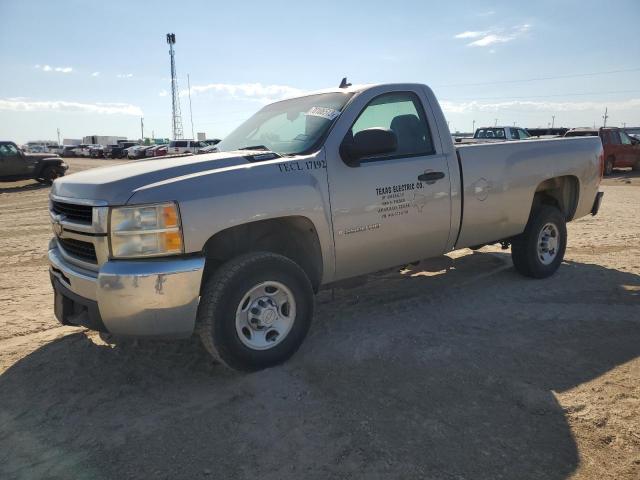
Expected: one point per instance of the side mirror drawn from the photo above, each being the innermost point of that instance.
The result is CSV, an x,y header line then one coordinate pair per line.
x,y
368,143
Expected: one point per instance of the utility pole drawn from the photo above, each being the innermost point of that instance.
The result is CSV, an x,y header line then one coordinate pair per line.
x,y
58,135
142,128
176,116
473,127
605,116
190,110
495,124
553,121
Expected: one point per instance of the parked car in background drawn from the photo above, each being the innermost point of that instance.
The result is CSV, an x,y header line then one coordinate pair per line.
x,y
68,151
96,151
211,141
620,150
16,164
209,149
496,134
160,151
138,151
84,150
77,150
151,152
117,150
185,146
547,132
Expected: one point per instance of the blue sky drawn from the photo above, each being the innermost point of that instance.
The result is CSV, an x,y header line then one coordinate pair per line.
x,y
95,67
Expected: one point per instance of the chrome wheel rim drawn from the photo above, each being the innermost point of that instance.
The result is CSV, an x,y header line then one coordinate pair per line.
x,y
548,243
265,315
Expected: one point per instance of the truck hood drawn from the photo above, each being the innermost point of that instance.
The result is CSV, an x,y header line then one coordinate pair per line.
x,y
40,156
115,184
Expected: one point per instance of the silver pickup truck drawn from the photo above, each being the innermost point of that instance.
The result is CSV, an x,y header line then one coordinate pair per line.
x,y
309,191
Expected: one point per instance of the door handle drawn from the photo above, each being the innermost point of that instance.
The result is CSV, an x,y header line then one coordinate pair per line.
x,y
431,176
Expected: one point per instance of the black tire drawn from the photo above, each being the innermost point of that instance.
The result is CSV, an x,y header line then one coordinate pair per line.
x,y
608,166
225,289
524,248
49,174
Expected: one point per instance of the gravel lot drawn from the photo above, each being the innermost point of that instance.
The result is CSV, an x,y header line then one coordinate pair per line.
x,y
455,369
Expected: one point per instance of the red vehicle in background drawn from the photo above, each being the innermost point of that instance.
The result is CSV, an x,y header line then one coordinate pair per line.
x,y
620,150
160,151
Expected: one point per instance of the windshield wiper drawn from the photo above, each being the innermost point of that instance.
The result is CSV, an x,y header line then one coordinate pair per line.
x,y
256,147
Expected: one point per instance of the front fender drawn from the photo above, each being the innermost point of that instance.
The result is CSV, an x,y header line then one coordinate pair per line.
x,y
219,199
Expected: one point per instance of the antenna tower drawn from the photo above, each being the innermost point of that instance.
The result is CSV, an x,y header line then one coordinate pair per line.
x,y
176,117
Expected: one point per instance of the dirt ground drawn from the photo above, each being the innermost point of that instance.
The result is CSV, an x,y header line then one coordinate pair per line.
x,y
458,368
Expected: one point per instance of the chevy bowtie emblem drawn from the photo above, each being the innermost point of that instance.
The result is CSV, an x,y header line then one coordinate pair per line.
x,y
57,227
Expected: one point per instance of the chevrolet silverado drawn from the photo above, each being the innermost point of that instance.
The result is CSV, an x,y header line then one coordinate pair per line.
x,y
309,191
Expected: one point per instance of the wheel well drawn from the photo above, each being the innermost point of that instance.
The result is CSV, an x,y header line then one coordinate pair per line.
x,y
294,237
560,192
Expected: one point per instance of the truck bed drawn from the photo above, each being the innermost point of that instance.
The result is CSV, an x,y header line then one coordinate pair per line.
x,y
499,181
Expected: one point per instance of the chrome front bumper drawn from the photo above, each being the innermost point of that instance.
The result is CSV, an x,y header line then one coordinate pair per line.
x,y
142,298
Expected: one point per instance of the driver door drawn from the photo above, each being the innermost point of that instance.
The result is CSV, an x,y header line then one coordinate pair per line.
x,y
394,208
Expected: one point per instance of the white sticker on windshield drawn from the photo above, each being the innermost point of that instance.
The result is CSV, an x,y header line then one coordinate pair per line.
x,y
324,112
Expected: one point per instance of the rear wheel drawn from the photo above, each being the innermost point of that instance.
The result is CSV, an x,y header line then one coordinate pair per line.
x,y
539,250
255,311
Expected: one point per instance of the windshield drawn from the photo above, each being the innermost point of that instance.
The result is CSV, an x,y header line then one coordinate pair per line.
x,y
288,127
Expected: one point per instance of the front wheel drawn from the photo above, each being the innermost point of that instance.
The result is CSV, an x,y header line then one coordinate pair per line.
x,y
255,311
608,167
538,251
49,174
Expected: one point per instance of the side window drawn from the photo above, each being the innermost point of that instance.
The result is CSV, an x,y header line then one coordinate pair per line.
x,y
614,137
625,138
402,113
523,133
515,134
8,150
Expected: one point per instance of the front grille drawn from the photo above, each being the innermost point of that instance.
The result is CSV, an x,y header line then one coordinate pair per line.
x,y
79,213
83,250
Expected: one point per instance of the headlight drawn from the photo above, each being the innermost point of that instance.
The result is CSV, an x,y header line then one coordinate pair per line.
x,y
145,231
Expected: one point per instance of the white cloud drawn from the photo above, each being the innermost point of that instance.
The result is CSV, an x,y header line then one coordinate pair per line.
x,y
248,91
490,40
527,105
470,34
124,75
49,68
95,74
163,93
495,36
26,105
